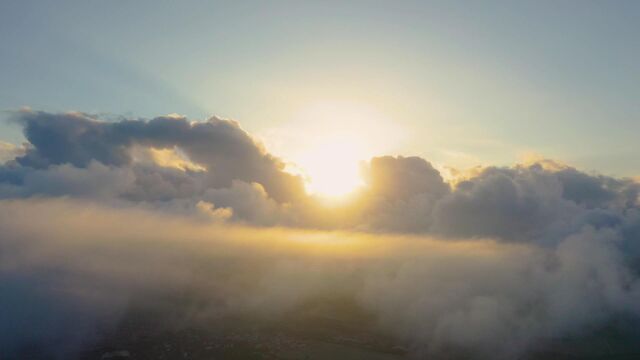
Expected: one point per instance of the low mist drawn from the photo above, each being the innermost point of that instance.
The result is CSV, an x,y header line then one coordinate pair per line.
x,y
71,269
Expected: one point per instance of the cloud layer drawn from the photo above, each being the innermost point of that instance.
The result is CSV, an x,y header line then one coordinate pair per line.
x,y
72,267
495,263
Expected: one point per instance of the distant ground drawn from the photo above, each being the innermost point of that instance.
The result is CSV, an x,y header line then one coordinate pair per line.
x,y
326,329
311,333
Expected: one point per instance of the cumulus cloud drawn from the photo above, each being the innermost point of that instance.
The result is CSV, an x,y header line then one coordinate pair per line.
x,y
401,193
220,146
95,215
540,202
171,163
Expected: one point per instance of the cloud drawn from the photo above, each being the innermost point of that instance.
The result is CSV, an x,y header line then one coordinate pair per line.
x,y
96,216
515,204
400,194
80,265
9,151
401,178
221,146
538,202
172,164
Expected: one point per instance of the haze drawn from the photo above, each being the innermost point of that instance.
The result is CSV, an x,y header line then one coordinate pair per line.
x,y
319,180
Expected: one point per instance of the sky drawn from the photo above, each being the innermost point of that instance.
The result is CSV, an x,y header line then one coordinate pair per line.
x,y
463,174
460,83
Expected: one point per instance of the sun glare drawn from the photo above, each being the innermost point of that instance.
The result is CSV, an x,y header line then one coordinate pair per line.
x,y
332,169
326,141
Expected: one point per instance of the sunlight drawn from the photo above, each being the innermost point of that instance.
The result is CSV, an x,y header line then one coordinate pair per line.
x,y
332,169
327,140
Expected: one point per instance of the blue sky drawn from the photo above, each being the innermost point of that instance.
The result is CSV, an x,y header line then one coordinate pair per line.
x,y
467,83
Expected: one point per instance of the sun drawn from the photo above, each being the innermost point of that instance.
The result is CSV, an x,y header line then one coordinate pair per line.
x,y
332,168
327,141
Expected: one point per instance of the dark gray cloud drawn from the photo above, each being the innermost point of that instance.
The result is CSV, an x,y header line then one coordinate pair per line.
x,y
540,202
226,151
401,178
534,203
511,203
401,193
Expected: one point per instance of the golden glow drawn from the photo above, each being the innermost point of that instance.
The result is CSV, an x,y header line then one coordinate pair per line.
x,y
174,158
326,141
333,168
171,158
